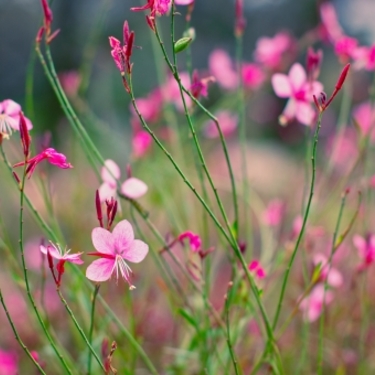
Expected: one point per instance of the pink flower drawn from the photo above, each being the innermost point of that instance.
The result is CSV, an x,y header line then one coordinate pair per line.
x,y
252,75
312,305
53,157
114,249
55,251
199,86
222,68
184,2
157,7
194,240
274,212
141,142
10,118
331,26
256,268
70,81
364,57
227,121
132,188
366,250
171,91
345,47
269,51
334,277
300,93
149,106
364,115
8,363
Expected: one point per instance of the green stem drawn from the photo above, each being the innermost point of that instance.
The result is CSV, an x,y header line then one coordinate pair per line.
x,y
307,211
17,336
92,316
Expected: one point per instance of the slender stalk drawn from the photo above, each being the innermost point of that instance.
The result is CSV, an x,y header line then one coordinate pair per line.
x,y
92,316
17,336
305,217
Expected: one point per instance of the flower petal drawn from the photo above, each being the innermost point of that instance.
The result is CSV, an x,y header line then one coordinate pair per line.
x,y
110,168
123,236
100,269
11,108
134,188
297,76
136,252
305,114
106,191
52,250
361,245
281,85
103,241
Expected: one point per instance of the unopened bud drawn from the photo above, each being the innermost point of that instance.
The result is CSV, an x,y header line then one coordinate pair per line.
x,y
182,44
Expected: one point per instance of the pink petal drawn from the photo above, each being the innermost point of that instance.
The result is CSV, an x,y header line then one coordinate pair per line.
x,y
183,2
134,188
52,250
100,269
289,112
305,114
361,245
281,85
123,236
107,191
11,108
297,76
110,168
103,241
73,258
335,278
137,252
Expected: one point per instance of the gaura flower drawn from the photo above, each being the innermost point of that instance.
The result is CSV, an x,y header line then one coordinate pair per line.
x,y
366,250
8,363
114,249
194,240
257,269
10,118
296,87
157,7
227,121
223,69
53,157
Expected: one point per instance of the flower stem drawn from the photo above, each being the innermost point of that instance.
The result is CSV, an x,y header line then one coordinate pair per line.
x,y
93,301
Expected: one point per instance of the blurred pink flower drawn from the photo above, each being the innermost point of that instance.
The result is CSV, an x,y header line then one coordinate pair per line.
x,y
345,48
364,115
257,269
114,249
149,106
194,240
8,363
227,121
300,93
312,305
222,68
366,250
132,187
252,75
184,2
269,51
331,26
335,279
141,142
53,157
70,82
364,57
171,91
274,212
10,118
199,86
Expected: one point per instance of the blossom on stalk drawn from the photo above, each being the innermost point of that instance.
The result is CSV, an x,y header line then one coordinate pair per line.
x,y
274,212
156,7
132,188
252,75
10,118
114,249
256,268
194,240
8,363
312,306
222,68
296,87
330,28
55,252
227,121
366,250
53,157
141,142
364,116
328,273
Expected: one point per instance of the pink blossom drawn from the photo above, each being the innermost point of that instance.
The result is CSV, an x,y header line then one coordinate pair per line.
x,y
331,26
222,68
132,188
199,86
171,91
256,268
141,143
364,57
194,240
70,81
157,7
149,106
366,250
227,121
53,157
300,93
364,115
252,75
114,249
184,2
10,118
269,51
8,363
274,212
345,47
331,274
312,305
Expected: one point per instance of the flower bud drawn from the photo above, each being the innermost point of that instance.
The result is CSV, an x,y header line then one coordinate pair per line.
x,y
182,44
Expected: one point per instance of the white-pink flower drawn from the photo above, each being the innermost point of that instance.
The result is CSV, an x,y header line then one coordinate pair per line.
x,y
10,117
132,188
332,275
227,122
183,2
222,68
114,249
296,87
366,250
